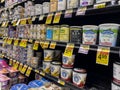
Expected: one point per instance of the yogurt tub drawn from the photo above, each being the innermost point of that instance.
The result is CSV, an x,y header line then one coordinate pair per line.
x,y
115,86
68,61
48,55
19,87
66,73
89,34
46,7
56,33
61,5
72,4
57,55
49,33
55,69
46,66
116,72
108,34
79,77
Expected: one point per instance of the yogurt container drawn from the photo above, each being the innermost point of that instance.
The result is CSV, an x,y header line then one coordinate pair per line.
x,y
57,55
49,33
66,73
19,87
108,34
75,34
79,77
55,69
72,4
46,7
56,33
64,33
53,6
115,86
86,2
48,55
62,5
89,34
116,72
68,61
46,66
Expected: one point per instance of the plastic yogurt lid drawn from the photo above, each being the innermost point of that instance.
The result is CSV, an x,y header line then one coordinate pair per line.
x,y
80,70
117,63
90,26
56,63
66,67
115,84
109,24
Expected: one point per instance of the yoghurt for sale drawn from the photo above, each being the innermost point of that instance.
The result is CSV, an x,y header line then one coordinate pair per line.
x,y
66,73
89,34
48,55
108,34
46,66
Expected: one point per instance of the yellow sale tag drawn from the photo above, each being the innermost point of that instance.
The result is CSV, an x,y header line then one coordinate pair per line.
x,y
28,72
20,67
6,24
29,21
41,17
102,5
69,50
3,24
14,62
49,18
10,62
24,69
57,17
23,43
23,21
10,41
53,45
42,73
30,40
16,42
46,44
37,71
5,40
36,45
42,43
61,82
103,55
16,65
14,22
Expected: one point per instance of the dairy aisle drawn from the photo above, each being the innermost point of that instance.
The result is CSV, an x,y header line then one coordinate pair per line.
x,y
59,45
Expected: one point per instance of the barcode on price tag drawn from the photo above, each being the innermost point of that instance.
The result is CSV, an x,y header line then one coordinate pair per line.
x,y
20,67
42,73
84,49
57,17
102,56
81,11
69,50
53,45
24,69
61,82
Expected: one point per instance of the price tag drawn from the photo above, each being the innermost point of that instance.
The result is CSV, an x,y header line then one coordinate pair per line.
x,y
29,21
23,21
23,43
49,18
42,43
6,24
16,42
36,45
28,72
42,73
46,44
68,13
84,49
69,50
81,11
14,62
9,41
61,82
18,22
3,24
41,17
2,1
102,5
37,71
103,55
14,22
33,18
16,65
57,17
20,67
24,69
10,62
5,40
53,45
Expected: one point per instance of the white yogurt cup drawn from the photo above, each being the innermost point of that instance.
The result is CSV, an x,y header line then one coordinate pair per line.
x,y
48,55
46,66
115,86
